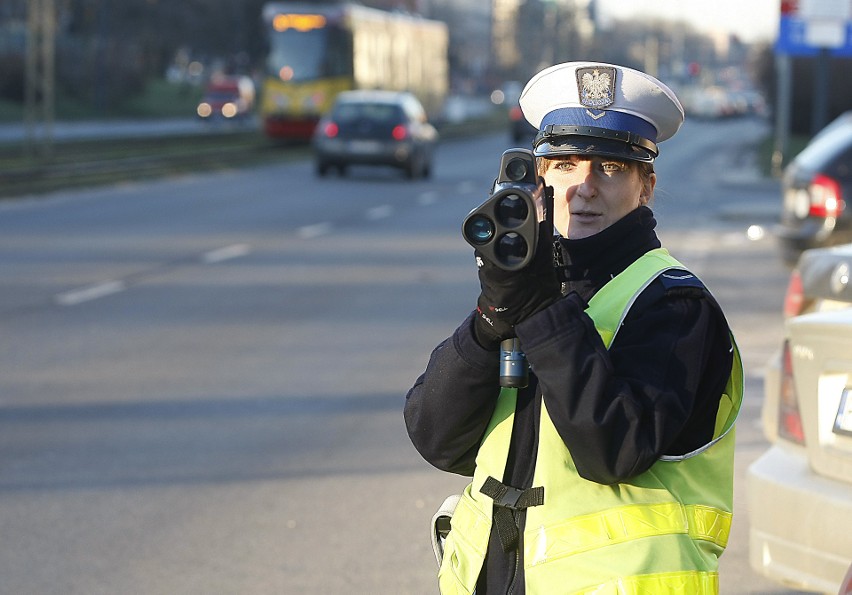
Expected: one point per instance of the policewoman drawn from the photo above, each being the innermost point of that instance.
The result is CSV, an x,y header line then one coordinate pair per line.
x,y
612,471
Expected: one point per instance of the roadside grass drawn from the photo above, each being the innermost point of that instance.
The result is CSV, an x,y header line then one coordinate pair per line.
x,y
160,99
11,111
163,99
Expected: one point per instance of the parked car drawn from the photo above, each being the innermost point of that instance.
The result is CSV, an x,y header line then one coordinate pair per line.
x,y
800,490
375,128
846,587
816,187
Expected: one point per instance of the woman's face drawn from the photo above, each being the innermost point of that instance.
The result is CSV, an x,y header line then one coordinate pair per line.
x,y
592,193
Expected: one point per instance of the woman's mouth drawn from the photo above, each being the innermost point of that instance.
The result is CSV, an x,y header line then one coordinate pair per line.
x,y
585,215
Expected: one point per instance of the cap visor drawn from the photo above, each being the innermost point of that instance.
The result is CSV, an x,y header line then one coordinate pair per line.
x,y
579,145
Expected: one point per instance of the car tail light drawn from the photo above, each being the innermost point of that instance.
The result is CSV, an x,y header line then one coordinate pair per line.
x,y
826,197
515,114
789,418
331,129
794,300
400,132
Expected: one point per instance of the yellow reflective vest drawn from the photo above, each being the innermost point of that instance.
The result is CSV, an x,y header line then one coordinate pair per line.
x,y
659,533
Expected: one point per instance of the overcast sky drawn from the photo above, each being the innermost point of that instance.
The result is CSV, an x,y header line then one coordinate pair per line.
x,y
752,20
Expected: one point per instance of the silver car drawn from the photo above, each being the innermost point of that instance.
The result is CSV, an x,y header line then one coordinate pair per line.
x,y
375,128
800,490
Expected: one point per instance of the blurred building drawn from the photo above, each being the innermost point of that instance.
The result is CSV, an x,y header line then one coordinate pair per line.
x,y
106,48
505,40
504,34
469,23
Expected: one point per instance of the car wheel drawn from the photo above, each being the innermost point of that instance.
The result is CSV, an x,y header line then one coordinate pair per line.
x,y
415,167
341,170
321,168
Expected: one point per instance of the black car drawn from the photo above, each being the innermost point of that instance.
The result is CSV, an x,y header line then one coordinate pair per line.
x,y
816,185
375,128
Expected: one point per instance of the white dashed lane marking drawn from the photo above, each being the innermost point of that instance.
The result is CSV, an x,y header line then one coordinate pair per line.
x,y
226,253
99,290
88,293
427,198
382,212
313,231
92,292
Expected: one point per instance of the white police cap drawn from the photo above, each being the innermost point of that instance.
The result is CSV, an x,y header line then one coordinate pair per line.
x,y
593,108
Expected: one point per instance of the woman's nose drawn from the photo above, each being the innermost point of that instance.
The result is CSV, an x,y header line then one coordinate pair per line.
x,y
586,187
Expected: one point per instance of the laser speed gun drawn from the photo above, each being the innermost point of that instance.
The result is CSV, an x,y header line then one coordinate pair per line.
x,y
505,228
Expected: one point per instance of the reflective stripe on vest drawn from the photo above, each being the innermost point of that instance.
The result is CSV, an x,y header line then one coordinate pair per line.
x,y
667,583
660,532
618,525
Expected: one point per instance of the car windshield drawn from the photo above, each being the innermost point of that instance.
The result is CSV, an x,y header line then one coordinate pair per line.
x,y
221,96
380,112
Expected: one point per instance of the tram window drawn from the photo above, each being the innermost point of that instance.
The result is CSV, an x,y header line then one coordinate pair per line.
x,y
302,53
338,59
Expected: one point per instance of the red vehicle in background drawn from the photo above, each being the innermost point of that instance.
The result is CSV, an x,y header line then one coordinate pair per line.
x,y
228,97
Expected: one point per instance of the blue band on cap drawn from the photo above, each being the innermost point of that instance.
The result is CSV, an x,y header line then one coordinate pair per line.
x,y
613,120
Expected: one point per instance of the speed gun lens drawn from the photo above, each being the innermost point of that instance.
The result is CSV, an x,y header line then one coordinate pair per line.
x,y
511,248
479,229
512,210
517,170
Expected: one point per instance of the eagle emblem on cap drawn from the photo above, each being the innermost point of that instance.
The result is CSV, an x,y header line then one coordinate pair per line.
x,y
596,86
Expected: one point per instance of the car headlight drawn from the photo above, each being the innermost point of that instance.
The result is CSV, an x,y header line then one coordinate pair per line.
x,y
229,110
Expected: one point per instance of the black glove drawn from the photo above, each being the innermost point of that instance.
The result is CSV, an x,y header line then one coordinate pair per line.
x,y
510,297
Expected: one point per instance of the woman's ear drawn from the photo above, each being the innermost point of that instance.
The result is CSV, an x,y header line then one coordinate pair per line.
x,y
648,184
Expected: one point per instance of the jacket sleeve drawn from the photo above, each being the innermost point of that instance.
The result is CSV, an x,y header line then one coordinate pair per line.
x,y
619,411
448,409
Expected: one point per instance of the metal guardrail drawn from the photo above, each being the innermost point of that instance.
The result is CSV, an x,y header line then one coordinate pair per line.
x,y
76,163
82,163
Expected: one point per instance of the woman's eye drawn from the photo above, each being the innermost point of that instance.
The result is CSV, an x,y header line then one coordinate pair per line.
x,y
613,169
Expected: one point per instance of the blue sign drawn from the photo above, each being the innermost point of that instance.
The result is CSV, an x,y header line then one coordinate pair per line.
x,y
794,39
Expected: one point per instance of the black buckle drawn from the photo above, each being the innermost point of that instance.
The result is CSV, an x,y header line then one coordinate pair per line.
x,y
506,498
510,498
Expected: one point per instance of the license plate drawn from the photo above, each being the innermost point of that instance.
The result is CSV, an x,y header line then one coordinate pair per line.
x,y
843,421
368,147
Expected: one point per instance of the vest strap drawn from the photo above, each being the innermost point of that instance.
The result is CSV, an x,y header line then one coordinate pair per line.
x,y
506,500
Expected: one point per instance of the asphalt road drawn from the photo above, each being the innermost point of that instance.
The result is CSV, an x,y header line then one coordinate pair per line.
x,y
202,378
